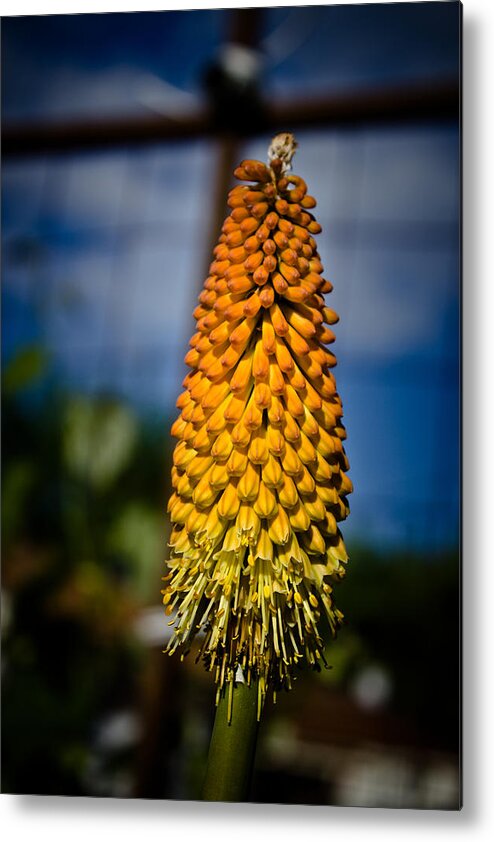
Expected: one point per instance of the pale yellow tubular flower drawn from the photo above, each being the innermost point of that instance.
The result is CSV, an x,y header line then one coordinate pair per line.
x,y
259,471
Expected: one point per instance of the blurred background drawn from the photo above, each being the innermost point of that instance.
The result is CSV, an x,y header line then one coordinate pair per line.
x,y
120,133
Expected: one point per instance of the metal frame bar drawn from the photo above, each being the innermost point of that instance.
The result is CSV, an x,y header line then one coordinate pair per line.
x,y
437,103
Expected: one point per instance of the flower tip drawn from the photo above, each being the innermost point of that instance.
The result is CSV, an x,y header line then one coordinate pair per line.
x,y
282,148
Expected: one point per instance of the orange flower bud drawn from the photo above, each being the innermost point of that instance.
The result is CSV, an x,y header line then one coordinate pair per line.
x,y
259,470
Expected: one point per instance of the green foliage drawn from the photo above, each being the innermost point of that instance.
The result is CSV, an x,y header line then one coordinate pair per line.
x,y
82,551
18,479
137,535
28,365
98,439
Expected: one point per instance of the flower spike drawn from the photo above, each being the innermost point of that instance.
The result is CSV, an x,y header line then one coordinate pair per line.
x,y
259,476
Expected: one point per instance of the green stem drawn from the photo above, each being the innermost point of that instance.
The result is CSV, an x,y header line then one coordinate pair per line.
x,y
233,745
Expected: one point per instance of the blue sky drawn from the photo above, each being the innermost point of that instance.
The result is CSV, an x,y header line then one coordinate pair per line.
x,y
121,237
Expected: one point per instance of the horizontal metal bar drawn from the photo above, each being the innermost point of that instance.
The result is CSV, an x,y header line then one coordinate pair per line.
x,y
439,102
